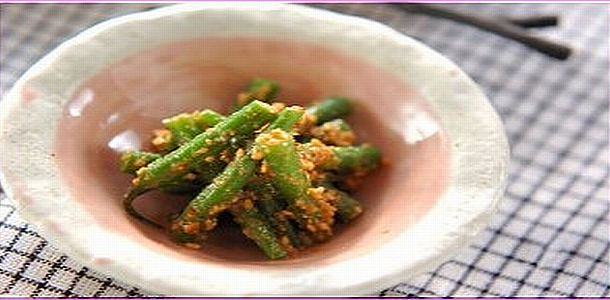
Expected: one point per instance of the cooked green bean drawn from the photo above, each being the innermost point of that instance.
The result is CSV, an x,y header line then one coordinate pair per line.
x,y
271,205
283,173
205,147
200,214
286,119
356,157
260,89
215,197
347,207
281,157
361,157
267,196
208,118
330,108
131,161
335,132
256,227
184,127
202,154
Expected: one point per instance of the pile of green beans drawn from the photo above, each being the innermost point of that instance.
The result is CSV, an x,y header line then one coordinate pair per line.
x,y
286,174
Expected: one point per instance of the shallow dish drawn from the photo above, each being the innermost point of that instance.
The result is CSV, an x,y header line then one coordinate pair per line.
x,y
68,117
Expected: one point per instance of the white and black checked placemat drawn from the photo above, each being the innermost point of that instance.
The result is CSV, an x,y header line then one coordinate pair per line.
x,y
551,235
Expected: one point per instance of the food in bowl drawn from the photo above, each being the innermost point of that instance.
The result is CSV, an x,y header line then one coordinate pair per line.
x,y
284,173
129,98
67,119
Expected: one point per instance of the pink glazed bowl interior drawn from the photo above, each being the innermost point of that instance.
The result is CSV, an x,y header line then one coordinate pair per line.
x,y
118,108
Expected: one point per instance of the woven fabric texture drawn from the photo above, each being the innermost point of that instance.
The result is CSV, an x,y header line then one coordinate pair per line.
x,y
551,234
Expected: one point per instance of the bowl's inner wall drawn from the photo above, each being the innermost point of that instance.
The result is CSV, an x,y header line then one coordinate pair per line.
x,y
119,108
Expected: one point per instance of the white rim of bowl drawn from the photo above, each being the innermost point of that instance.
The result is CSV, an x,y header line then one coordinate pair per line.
x,y
479,154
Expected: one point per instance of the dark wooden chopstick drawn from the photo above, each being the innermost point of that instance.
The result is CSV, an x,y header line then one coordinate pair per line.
x,y
534,21
498,26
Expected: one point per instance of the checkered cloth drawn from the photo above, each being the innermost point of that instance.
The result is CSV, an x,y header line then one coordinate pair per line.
x,y
550,237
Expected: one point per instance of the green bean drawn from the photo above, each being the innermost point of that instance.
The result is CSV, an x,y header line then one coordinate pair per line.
x,y
257,228
282,173
266,194
335,132
131,161
348,208
280,155
260,89
271,204
200,214
215,197
362,157
208,118
286,119
202,154
205,147
329,109
184,127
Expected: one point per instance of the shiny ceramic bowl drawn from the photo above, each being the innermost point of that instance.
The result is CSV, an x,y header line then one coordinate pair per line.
x,y
68,117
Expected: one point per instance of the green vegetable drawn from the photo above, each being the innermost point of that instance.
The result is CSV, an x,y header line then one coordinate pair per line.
x,y
200,214
131,161
256,227
286,119
365,157
201,155
281,157
185,127
347,207
330,108
271,204
281,172
335,132
260,89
